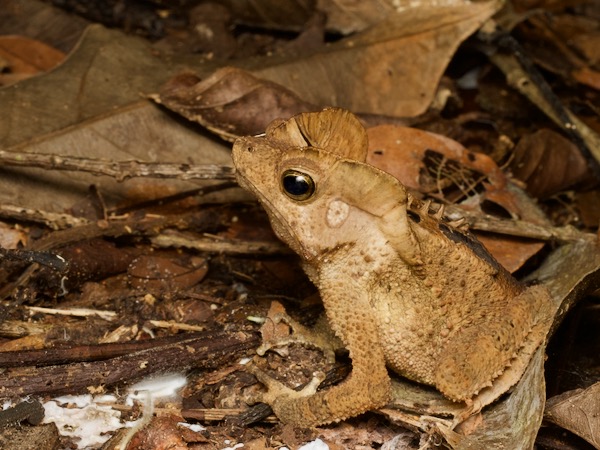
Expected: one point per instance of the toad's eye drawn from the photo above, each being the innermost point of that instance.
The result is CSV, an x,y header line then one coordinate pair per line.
x,y
297,185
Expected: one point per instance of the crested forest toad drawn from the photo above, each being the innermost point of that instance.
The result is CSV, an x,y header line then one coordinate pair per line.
x,y
401,289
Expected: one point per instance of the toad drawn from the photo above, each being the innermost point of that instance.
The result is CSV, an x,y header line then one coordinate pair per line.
x,y
402,289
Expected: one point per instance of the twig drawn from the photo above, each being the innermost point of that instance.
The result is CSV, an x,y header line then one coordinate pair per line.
x,y
120,170
519,228
75,312
205,351
54,221
71,353
172,238
521,74
176,326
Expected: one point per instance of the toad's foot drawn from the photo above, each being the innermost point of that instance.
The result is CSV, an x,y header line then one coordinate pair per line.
x,y
279,396
280,330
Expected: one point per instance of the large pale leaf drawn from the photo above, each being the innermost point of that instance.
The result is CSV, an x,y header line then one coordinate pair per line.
x,y
107,70
92,106
392,68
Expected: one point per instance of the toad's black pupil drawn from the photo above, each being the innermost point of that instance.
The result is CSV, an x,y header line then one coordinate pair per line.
x,y
296,184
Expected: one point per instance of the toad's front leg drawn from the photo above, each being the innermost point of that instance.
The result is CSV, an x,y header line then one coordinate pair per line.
x,y
367,387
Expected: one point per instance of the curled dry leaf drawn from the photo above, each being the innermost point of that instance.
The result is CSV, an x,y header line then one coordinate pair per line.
x,y
231,102
548,163
577,411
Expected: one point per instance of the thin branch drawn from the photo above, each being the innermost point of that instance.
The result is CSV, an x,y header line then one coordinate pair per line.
x,y
518,228
171,238
55,221
120,170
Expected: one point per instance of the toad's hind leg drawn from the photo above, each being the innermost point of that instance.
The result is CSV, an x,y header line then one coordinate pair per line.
x,y
479,352
471,361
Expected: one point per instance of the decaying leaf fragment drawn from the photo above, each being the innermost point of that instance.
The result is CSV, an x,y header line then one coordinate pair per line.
x,y
577,411
403,151
548,163
163,275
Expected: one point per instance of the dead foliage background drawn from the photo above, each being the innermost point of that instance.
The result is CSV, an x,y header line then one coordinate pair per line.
x,y
128,250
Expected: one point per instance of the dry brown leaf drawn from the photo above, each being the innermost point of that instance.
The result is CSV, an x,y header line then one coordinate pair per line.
x,y
107,70
511,252
139,132
569,272
402,152
231,102
42,21
548,163
101,81
588,206
577,411
26,57
391,69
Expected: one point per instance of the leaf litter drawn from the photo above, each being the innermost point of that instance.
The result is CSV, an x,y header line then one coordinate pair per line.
x,y
96,109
